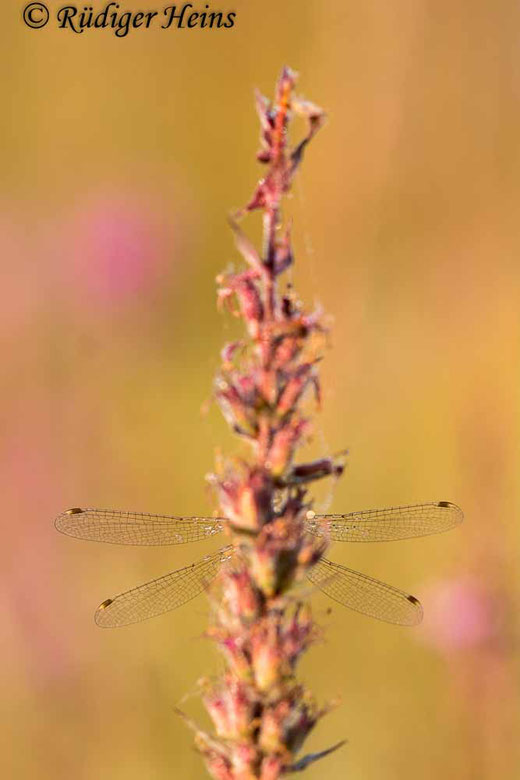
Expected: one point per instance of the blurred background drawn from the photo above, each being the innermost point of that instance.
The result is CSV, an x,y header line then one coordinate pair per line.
x,y
120,161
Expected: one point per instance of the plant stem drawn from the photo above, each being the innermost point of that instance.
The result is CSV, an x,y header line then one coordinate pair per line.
x,y
261,713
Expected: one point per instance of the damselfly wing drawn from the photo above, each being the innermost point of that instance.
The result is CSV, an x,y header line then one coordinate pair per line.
x,y
365,594
163,594
140,528
387,525
346,586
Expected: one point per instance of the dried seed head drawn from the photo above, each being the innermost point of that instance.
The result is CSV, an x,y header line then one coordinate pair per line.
x,y
250,304
299,632
237,412
247,502
245,760
217,710
283,255
298,724
267,658
242,598
271,738
272,767
268,386
311,550
231,708
236,653
218,766
273,565
229,352
294,389
215,755
285,441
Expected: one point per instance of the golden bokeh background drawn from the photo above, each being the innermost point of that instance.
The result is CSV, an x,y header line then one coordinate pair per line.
x,y
120,160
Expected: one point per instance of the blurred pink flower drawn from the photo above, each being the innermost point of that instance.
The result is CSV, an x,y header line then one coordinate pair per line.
x,y
460,613
117,247
31,579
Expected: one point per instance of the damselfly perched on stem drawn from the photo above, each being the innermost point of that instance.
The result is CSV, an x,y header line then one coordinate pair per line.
x,y
348,587
262,622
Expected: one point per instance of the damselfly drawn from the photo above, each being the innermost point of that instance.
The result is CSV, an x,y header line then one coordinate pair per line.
x,y
346,586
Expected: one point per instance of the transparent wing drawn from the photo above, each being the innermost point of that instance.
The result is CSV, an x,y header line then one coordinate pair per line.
x,y
161,595
366,595
385,525
117,527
